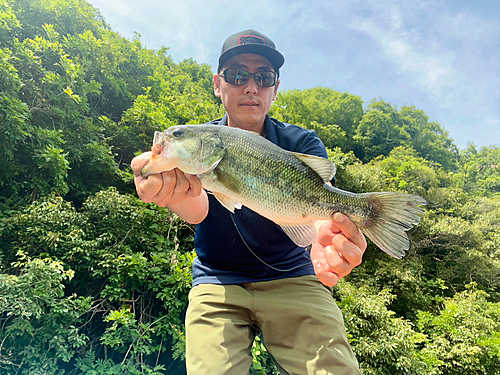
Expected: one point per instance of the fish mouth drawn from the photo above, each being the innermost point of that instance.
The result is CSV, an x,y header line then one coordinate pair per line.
x,y
168,160
159,161
153,167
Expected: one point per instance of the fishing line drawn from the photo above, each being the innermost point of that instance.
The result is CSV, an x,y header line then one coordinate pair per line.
x,y
255,255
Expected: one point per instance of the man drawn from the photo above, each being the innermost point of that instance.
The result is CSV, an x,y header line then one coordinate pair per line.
x,y
249,276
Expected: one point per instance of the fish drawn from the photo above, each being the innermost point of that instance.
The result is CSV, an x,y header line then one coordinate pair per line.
x,y
242,168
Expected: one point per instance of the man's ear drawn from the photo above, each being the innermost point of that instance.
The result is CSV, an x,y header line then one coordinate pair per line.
x,y
276,90
217,85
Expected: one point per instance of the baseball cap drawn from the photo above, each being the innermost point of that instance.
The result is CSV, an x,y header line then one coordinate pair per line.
x,y
250,41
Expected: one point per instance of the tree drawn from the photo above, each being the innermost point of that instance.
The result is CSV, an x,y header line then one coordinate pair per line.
x,y
78,98
479,170
465,337
332,114
384,127
39,323
382,342
111,278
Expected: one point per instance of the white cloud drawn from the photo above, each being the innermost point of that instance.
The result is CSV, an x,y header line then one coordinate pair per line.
x,y
409,50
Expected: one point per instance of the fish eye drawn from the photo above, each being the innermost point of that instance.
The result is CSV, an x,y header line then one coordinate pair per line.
x,y
177,133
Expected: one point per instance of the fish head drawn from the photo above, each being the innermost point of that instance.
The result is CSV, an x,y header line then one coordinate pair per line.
x,y
194,149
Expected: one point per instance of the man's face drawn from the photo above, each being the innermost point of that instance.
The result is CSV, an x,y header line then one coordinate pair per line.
x,y
246,105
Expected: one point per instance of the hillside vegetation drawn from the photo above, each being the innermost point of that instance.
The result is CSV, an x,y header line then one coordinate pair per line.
x,y
94,281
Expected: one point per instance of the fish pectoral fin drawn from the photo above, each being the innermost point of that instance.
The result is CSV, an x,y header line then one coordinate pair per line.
x,y
228,180
302,235
323,167
227,202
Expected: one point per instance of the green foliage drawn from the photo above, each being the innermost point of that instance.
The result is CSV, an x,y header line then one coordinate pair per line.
x,y
382,342
479,171
384,127
39,323
69,17
80,100
127,256
455,243
262,363
332,114
353,175
404,171
464,248
378,135
89,365
465,337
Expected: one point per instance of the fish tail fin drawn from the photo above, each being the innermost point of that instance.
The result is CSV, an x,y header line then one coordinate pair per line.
x,y
391,216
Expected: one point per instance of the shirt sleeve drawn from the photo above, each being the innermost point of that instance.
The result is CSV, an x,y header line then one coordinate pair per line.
x,y
312,145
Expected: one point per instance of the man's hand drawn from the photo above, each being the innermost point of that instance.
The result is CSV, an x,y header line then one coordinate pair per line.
x,y
170,187
338,249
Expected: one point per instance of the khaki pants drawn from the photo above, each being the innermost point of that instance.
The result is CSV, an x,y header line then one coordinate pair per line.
x,y
301,325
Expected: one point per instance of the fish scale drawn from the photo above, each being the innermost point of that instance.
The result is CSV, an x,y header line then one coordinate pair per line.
x,y
276,177
242,168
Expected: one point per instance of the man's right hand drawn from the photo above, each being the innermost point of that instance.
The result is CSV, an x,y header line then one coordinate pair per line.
x,y
168,188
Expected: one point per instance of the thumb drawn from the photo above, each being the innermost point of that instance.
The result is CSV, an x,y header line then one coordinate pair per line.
x,y
139,162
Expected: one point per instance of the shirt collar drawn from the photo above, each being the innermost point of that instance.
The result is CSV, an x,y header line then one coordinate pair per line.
x,y
269,128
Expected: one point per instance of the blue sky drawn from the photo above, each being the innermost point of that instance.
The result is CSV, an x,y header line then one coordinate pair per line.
x,y
441,56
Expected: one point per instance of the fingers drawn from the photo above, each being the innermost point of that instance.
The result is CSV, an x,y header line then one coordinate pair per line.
x,y
194,185
344,249
327,277
148,188
178,186
323,271
170,187
168,183
339,248
349,230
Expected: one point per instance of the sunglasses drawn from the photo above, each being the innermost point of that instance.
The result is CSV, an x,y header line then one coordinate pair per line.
x,y
238,77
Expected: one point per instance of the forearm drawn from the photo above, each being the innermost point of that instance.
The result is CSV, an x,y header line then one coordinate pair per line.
x,y
193,210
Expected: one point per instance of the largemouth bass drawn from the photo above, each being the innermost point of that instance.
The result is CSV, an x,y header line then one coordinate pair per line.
x,y
242,168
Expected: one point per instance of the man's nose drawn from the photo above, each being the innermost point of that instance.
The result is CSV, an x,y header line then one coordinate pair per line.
x,y
251,86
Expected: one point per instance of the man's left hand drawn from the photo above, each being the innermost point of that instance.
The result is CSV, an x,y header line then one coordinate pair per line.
x,y
339,248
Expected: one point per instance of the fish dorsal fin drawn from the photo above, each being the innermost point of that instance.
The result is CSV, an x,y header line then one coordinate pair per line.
x,y
323,167
302,235
227,202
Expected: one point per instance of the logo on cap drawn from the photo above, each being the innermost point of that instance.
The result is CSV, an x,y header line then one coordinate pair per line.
x,y
251,39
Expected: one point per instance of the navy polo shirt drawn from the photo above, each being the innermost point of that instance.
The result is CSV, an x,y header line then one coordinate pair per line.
x,y
265,252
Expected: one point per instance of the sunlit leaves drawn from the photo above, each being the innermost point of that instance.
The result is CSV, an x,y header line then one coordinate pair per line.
x,y
332,114
38,320
479,170
465,337
133,258
382,342
384,127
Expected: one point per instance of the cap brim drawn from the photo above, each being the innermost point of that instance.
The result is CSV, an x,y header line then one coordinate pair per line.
x,y
275,58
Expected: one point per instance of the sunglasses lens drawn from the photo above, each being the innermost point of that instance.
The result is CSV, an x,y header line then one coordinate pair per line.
x,y
240,77
236,76
265,79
